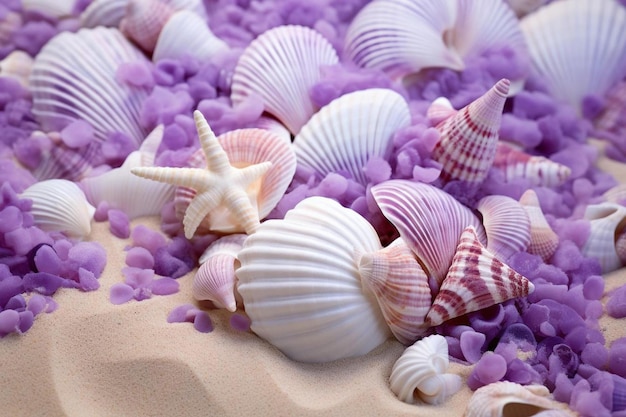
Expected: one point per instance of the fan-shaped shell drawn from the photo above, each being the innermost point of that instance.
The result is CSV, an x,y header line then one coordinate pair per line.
x,y
107,13
60,205
543,240
589,32
301,287
493,399
404,36
51,8
608,221
507,225
246,147
469,138
280,66
419,375
144,20
538,170
429,220
350,130
476,280
187,33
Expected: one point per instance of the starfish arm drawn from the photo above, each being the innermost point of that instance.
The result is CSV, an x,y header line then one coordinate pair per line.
x,y
243,210
251,173
201,205
185,177
216,157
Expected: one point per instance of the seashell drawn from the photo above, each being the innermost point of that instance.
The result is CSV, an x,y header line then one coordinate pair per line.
x,y
469,139
274,126
439,110
60,205
18,65
402,37
187,33
58,159
401,288
429,220
144,20
538,170
215,279
196,6
543,240
616,194
122,190
9,24
476,280
608,221
107,13
51,8
613,117
301,286
419,375
620,246
74,77
350,130
507,225
505,398
597,42
524,7
280,66
245,147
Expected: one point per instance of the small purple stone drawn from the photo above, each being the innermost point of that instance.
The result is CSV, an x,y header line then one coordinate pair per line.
x,y
9,321
616,305
139,257
27,318
164,286
179,314
617,358
471,345
89,255
87,280
490,368
36,304
17,302
119,223
596,355
47,260
77,134
593,287
239,322
202,322
42,282
121,293
138,278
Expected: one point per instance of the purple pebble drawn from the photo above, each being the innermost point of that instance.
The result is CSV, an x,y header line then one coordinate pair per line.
x,y
10,219
139,257
593,287
164,286
9,287
121,293
27,318
119,223
47,260
179,314
17,302
617,358
87,280
42,282
202,322
77,134
138,278
490,368
616,305
521,335
596,355
563,359
147,238
377,170
239,322
9,321
36,304
89,255
567,256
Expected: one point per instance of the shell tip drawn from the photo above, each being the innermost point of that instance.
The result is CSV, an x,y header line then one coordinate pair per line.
x,y
502,87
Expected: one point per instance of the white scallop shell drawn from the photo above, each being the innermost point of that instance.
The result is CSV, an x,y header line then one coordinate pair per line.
x,y
301,286
608,220
589,32
143,21
52,8
107,13
280,66
543,240
60,205
350,130
187,33
18,64
419,375
122,190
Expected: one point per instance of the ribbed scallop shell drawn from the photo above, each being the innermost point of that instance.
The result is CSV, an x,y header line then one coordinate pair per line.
x,y
506,398
476,280
543,240
122,190
538,170
107,13
469,139
246,147
419,375
401,288
60,205
404,36
350,130
144,20
507,225
187,33
215,279
608,220
52,8
429,220
301,287
588,32
280,66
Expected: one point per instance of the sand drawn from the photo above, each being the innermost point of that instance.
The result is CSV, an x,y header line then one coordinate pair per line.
x,y
93,358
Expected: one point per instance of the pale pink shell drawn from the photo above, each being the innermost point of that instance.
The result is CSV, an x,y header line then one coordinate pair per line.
x,y
107,13
439,110
538,170
144,20
18,64
543,240
608,221
469,139
476,280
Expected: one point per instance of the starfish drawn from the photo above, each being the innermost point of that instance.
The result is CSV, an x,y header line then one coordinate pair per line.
x,y
219,184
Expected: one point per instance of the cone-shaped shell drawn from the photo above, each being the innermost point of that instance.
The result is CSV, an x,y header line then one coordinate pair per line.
x,y
419,375
507,225
301,286
280,66
543,240
538,170
476,280
608,221
144,20
401,288
429,220
60,205
469,139
350,130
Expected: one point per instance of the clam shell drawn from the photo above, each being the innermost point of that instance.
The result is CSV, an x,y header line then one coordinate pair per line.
x,y
538,170
107,13
301,286
419,375
507,398
144,20
60,205
280,66
608,220
350,130
405,36
543,240
401,288
507,225
18,65
187,33
469,139
429,220
476,280
246,147
588,32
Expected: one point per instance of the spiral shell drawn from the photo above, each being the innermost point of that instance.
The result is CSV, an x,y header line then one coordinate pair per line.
x,y
608,221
